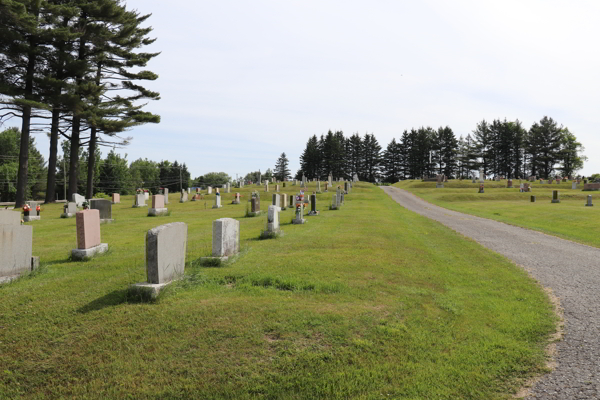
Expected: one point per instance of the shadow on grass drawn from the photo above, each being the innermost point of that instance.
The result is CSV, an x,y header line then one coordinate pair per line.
x,y
113,298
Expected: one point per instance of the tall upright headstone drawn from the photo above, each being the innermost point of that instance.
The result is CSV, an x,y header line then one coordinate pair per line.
x,y
88,235
273,219
589,201
209,190
277,201
226,238
166,246
217,201
166,194
236,199
284,201
481,176
313,205
16,244
555,198
116,198
266,186
184,196
299,214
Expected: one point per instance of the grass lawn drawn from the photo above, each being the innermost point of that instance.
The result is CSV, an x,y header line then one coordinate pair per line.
x,y
367,302
569,219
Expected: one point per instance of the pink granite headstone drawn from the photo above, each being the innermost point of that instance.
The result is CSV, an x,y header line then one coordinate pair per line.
x,y
158,201
88,228
116,198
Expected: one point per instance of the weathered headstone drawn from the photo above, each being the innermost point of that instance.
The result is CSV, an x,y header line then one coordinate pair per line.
x,y
116,198
440,182
158,206
555,198
481,188
277,201
209,190
16,243
88,235
481,176
105,208
284,201
526,187
255,206
266,186
590,187
226,238
589,201
140,200
273,219
509,184
184,196
533,199
313,205
299,214
573,185
165,256
217,201
318,186
236,199
228,188
166,194
33,213
78,199
69,210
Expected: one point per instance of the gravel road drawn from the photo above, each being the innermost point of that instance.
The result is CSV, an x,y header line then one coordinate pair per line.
x,y
570,269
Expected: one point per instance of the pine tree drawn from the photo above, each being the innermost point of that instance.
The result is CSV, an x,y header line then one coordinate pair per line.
x,y
282,171
544,144
571,159
310,160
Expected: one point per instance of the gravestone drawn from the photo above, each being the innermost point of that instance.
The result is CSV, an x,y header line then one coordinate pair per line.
x,y
228,188
209,190
326,187
481,177
555,198
277,201
509,184
166,194
291,201
78,199
33,214
88,235
217,201
533,199
226,238
158,206
526,187
69,210
254,206
319,186
589,201
313,205
146,195
440,182
347,187
105,208
573,185
266,186
273,219
532,178
236,199
184,196
277,188
16,244
299,214
116,198
284,199
541,181
140,200
590,187
550,181
481,188
166,247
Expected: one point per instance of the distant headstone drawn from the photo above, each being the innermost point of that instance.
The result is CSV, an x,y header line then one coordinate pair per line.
x,y
313,205
481,176
277,201
217,201
226,238
69,210
266,186
184,196
228,188
526,187
236,199
555,198
255,204
158,206
509,184
88,235
166,194
573,185
284,199
209,190
319,186
533,199
589,201
277,188
591,187
140,200
481,188
78,199
299,214
105,208
33,214
273,219
116,198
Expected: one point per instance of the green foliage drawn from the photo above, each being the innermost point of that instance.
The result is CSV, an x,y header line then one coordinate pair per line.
x,y
212,179
282,171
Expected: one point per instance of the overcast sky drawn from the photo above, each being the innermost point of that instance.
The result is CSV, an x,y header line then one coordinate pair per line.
x,y
241,82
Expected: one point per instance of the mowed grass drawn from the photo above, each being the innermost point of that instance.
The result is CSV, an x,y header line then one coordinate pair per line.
x,y
569,219
367,302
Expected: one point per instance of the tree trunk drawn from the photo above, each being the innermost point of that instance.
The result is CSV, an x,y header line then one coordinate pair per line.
x,y
91,162
51,182
74,157
23,158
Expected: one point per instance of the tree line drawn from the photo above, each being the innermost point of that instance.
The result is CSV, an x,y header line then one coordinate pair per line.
x,y
113,174
500,148
73,69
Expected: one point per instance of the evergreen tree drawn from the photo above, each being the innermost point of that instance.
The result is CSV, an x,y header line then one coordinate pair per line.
x,y
113,176
392,162
310,160
446,150
354,154
544,144
371,162
282,172
571,159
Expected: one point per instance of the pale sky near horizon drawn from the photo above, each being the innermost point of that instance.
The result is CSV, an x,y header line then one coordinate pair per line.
x,y
242,82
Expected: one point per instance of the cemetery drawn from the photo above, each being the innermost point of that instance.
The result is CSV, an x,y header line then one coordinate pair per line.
x,y
311,296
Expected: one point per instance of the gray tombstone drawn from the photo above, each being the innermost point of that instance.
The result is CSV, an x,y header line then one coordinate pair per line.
x,y
10,217
184,196
70,210
217,201
313,205
16,243
273,219
166,193
299,214
573,185
226,238
589,201
555,198
255,204
140,200
165,252
105,208
533,199
277,201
